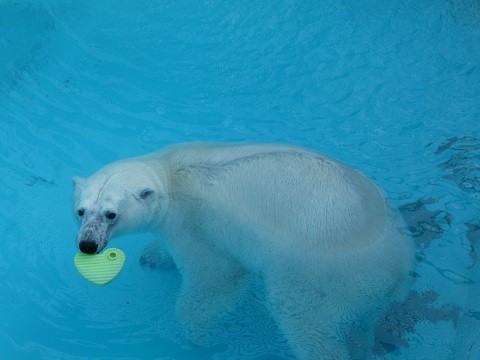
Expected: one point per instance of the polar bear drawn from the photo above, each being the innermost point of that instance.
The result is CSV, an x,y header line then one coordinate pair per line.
x,y
318,233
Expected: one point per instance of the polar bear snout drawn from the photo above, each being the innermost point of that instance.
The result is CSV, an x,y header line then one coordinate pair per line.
x,y
88,247
94,233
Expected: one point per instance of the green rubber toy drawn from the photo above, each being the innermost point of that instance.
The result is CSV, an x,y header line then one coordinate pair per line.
x,y
102,268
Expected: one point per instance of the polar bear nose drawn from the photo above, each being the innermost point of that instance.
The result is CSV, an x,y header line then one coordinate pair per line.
x,y
88,247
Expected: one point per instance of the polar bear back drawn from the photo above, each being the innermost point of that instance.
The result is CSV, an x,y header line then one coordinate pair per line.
x,y
295,197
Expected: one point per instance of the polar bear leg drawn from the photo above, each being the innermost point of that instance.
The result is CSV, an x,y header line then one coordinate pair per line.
x,y
155,256
314,326
211,283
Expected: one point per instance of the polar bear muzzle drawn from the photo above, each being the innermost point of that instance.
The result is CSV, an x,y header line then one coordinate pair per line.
x,y
94,233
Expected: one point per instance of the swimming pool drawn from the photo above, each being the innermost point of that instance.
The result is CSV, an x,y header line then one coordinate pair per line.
x,y
392,89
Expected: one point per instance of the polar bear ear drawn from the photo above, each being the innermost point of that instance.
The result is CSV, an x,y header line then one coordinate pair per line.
x,y
146,193
78,181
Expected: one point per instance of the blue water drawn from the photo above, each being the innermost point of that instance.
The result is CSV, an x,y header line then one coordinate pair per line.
x,y
391,88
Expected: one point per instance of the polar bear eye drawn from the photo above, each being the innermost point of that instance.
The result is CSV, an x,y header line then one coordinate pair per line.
x,y
80,212
146,193
111,215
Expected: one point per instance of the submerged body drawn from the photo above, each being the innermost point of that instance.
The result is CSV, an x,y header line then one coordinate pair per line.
x,y
318,233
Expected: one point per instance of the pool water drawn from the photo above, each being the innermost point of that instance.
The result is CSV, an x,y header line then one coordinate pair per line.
x,y
390,88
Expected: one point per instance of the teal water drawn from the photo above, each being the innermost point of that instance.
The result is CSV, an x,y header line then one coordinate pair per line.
x,y
392,89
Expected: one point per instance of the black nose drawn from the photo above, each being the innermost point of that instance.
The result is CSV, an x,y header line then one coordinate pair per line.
x,y
88,247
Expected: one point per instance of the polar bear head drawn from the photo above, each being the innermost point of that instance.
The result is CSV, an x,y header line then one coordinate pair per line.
x,y
122,198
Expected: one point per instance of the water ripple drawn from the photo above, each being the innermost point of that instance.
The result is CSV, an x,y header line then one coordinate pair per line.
x,y
395,95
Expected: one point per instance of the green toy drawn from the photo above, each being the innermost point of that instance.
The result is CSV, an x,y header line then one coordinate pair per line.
x,y
102,268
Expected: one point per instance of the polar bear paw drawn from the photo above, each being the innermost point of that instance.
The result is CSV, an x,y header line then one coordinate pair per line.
x,y
154,256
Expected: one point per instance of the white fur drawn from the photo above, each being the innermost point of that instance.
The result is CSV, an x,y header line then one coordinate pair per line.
x,y
319,233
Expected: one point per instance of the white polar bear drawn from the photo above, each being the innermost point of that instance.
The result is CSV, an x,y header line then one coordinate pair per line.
x,y
317,232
